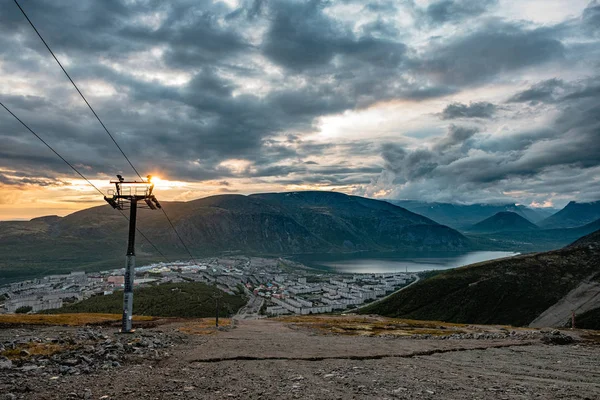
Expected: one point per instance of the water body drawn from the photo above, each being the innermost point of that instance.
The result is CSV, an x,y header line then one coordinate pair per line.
x,y
398,262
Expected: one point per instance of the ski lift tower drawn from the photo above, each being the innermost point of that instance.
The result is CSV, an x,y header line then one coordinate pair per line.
x,y
128,194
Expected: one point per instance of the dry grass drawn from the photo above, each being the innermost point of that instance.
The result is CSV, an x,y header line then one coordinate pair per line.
x,y
373,326
63,319
33,349
590,335
204,326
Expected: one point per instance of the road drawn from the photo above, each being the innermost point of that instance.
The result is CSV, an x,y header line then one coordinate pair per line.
x,y
251,309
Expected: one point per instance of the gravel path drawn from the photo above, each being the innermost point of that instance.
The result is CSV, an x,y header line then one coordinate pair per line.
x,y
267,359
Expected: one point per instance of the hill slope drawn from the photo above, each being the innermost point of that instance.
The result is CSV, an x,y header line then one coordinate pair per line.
x,y
509,291
504,221
273,224
572,215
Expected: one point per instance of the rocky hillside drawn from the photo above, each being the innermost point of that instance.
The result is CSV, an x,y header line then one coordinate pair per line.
x,y
504,221
511,291
273,224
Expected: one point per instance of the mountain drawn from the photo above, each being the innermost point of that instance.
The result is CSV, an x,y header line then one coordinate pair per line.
x,y
504,221
572,215
513,291
269,224
462,216
532,240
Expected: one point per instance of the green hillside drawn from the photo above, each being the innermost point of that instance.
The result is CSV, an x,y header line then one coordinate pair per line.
x,y
508,291
190,299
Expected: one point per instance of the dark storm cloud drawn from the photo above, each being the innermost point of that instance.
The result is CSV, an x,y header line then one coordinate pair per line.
x,y
544,91
196,34
5,179
80,28
456,135
443,11
269,70
591,18
302,36
492,49
480,109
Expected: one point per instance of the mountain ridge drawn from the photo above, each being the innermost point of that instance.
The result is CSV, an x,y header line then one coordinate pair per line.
x,y
461,216
267,224
504,221
574,214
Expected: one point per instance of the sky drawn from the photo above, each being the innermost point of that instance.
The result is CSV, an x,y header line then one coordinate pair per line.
x,y
466,101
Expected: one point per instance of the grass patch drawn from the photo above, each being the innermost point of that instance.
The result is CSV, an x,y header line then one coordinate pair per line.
x,y
204,326
372,326
33,349
64,319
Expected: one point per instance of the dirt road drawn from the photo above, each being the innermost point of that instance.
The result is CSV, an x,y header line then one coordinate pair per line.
x,y
269,359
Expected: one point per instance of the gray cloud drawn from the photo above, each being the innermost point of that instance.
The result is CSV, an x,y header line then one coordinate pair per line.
x,y
480,109
272,69
545,91
467,161
456,10
469,59
302,36
456,135
591,18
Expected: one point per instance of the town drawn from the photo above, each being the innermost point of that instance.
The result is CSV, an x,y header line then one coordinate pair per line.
x,y
274,286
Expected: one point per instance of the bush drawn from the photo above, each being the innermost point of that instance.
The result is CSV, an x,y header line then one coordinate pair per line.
x,y
23,310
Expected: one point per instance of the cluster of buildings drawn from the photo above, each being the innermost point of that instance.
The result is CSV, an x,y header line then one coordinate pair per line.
x,y
287,287
291,295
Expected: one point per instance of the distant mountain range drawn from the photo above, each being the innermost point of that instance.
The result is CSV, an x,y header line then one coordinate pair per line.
x,y
533,239
461,216
504,221
572,215
268,224
539,289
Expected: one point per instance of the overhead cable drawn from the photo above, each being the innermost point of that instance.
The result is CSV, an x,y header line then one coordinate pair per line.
x,y
98,118
78,173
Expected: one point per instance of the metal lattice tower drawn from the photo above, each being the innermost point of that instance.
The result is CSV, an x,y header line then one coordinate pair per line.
x,y
128,194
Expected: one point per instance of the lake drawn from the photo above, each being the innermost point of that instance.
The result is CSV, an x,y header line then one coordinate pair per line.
x,y
366,263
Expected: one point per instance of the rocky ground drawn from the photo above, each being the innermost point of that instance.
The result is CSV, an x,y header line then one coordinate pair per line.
x,y
297,358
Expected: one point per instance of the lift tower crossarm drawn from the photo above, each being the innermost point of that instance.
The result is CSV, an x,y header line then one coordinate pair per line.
x,y
119,200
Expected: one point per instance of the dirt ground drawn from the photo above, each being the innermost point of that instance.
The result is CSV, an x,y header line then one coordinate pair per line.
x,y
290,359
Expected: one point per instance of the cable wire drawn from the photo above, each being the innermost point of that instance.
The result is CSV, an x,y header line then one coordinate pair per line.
x,y
78,173
77,88
177,233
99,120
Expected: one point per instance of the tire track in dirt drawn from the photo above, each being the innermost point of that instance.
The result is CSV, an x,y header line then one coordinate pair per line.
x,y
365,357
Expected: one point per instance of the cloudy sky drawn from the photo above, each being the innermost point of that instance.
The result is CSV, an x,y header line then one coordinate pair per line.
x,y
446,100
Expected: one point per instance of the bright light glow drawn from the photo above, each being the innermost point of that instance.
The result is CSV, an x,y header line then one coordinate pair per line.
x,y
165,184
